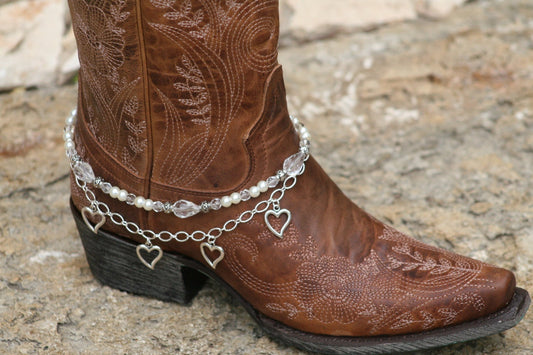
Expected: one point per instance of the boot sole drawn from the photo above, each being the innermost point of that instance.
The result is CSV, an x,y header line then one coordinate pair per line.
x,y
113,261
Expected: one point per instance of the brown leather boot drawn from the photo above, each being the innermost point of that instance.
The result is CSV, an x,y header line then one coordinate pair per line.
x,y
181,119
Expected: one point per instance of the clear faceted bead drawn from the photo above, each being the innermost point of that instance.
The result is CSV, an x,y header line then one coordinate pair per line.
x,y
245,195
304,143
215,204
106,187
293,164
185,209
158,206
130,199
84,172
71,151
272,181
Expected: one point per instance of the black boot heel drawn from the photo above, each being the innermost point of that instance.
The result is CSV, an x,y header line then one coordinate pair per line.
x,y
114,262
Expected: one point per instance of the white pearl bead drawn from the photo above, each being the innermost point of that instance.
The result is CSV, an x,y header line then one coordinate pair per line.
x,y
114,192
254,191
148,205
225,201
139,202
122,195
235,198
262,185
69,144
70,120
305,135
67,135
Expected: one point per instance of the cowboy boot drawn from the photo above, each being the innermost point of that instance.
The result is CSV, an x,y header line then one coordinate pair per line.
x,y
186,165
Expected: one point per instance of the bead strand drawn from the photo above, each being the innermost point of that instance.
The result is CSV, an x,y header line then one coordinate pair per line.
x,y
183,208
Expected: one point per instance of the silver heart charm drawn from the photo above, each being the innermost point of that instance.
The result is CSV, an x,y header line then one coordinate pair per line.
x,y
277,214
95,228
149,250
212,263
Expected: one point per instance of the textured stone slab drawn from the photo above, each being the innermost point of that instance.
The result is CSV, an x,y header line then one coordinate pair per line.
x,y
305,19
30,42
34,52
436,8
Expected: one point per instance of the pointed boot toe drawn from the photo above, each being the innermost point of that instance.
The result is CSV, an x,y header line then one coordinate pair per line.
x,y
503,287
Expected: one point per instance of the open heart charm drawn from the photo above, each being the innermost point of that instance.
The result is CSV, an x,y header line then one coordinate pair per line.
x,y
88,211
277,214
212,248
149,250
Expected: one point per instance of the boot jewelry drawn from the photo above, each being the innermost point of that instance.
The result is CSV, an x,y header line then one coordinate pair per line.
x,y
212,248
93,212
277,212
185,208
293,166
149,248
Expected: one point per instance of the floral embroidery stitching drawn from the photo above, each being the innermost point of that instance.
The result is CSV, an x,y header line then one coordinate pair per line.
x,y
333,289
113,110
218,43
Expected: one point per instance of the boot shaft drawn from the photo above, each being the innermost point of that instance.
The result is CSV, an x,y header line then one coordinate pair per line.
x,y
171,91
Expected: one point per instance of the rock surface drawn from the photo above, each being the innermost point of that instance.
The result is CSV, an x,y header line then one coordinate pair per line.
x,y
30,42
436,8
306,20
36,50
428,125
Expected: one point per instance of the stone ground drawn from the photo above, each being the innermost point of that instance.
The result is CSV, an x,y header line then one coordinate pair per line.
x,y
428,125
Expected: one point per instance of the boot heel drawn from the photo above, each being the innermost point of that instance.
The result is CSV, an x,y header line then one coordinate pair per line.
x,y
114,262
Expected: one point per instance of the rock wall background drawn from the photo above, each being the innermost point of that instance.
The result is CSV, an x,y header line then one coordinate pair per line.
x,y
427,122
37,47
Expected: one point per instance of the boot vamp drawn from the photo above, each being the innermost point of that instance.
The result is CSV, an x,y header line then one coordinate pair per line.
x,y
339,271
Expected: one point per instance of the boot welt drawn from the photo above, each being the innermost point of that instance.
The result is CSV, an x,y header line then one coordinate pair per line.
x,y
114,262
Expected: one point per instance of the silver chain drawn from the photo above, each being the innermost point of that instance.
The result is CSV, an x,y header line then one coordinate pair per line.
x,y
182,236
